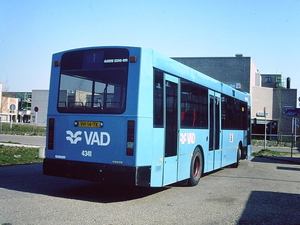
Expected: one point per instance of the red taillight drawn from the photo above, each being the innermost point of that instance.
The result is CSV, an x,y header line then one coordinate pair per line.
x,y
50,133
129,152
130,137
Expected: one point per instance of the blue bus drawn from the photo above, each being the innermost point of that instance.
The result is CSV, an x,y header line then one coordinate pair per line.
x,y
130,115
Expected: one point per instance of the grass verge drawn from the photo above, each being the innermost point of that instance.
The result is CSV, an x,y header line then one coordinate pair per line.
x,y
268,152
23,129
10,155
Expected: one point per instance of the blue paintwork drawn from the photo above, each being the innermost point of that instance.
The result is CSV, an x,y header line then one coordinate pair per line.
x,y
149,144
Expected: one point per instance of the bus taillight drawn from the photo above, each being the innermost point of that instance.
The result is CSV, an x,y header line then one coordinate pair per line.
x,y
51,133
130,137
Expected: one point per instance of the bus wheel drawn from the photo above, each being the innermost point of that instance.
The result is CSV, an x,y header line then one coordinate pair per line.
x,y
238,157
196,168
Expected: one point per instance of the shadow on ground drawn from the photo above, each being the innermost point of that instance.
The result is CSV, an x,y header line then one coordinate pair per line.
x,y
271,208
276,159
29,178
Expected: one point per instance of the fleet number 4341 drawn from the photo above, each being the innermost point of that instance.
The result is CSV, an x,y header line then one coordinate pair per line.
x,y
86,153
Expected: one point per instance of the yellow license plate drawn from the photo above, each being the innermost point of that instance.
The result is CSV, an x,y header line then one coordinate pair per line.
x,y
93,124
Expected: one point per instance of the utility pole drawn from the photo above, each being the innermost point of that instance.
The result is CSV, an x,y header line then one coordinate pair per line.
x,y
292,142
265,114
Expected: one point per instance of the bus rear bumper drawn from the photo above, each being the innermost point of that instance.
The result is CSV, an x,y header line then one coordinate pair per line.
x,y
128,175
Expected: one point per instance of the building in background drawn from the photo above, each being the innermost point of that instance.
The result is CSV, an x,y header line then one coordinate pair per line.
x,y
8,107
28,107
39,106
275,92
269,93
24,105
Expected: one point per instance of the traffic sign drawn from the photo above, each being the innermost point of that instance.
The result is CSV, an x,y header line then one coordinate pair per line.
x,y
292,112
12,107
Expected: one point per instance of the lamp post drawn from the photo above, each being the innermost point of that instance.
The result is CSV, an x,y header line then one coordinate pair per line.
x,y
265,114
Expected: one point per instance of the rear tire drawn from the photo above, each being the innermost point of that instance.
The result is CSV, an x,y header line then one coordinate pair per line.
x,y
196,169
244,152
238,157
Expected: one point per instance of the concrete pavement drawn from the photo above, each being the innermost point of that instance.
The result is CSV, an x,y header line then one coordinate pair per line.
x,y
31,141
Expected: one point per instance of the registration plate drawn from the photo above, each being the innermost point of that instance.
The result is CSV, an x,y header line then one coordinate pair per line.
x,y
92,124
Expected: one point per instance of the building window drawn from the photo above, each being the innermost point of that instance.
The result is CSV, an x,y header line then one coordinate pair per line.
x,y
268,80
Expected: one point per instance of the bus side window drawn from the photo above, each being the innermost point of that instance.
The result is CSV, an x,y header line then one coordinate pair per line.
x,y
234,113
158,99
194,105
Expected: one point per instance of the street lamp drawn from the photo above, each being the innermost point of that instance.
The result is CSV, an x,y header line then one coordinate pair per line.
x,y
265,114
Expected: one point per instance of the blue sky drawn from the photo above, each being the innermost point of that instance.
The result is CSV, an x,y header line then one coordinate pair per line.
x,y
31,31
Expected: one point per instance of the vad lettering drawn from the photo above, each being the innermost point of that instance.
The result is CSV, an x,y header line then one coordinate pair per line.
x,y
190,138
102,138
91,138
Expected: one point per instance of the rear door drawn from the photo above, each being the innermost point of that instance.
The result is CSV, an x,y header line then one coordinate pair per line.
x,y
171,130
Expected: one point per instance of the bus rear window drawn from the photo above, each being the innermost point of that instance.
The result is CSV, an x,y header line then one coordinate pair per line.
x,y
93,81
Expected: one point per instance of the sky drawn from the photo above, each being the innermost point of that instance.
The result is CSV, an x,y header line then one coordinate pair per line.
x,y
268,31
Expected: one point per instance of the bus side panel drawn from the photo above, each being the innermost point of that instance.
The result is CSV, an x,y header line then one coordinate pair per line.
x,y
231,140
146,81
144,141
157,157
189,139
144,99
150,140
209,161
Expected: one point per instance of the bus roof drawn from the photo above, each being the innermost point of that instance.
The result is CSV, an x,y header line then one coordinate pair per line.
x,y
176,68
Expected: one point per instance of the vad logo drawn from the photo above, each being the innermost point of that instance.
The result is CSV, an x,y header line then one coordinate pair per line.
x,y
73,138
187,138
91,138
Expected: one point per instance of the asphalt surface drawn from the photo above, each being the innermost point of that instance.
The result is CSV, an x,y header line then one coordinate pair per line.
x,y
24,140
261,191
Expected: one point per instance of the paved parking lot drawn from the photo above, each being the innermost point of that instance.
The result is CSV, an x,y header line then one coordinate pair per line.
x,y
260,191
